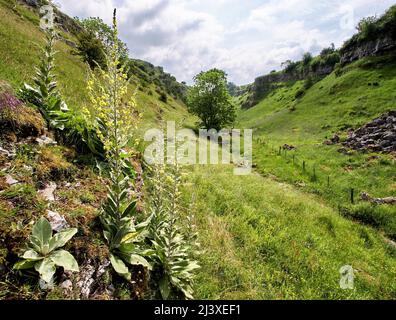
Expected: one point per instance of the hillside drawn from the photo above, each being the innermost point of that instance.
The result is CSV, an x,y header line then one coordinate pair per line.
x,y
20,43
300,130
279,233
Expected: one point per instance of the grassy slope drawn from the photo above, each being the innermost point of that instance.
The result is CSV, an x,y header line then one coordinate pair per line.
x,y
262,239
267,240
20,42
331,105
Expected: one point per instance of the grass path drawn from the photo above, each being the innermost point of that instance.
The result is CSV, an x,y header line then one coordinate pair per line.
x,y
267,240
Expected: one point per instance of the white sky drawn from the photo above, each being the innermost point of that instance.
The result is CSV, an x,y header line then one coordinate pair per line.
x,y
246,38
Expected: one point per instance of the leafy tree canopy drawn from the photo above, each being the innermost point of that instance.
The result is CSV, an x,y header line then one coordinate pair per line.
x,y
210,100
103,32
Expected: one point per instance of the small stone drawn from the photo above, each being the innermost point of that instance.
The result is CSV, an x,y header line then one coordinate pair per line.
x,y
48,192
9,154
46,285
45,141
67,285
288,147
57,221
10,180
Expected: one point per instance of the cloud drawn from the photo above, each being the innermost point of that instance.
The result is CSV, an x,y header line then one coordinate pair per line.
x,y
245,38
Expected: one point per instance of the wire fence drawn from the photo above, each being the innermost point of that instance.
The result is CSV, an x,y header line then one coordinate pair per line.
x,y
308,168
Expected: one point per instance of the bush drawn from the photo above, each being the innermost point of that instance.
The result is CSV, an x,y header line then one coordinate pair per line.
x,y
331,59
368,28
163,97
315,63
300,93
327,51
309,82
307,58
91,49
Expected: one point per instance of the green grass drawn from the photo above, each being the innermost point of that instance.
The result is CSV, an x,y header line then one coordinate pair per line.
x,y
266,240
333,105
261,239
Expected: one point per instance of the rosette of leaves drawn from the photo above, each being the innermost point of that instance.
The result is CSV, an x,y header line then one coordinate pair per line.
x,y
172,253
43,251
126,239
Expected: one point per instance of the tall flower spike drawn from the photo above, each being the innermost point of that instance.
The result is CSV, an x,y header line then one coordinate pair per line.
x,y
115,24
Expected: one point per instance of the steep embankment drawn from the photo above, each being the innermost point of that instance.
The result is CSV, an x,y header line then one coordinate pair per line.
x,y
20,42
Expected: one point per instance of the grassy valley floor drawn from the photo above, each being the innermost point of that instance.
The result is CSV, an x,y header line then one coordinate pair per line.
x,y
262,239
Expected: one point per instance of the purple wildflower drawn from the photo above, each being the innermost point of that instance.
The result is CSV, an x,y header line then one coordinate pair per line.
x,y
7,100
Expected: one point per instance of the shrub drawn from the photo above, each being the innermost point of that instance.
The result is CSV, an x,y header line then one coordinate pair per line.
x,y
290,66
307,58
326,51
103,33
163,97
308,83
331,59
91,49
315,63
299,94
368,28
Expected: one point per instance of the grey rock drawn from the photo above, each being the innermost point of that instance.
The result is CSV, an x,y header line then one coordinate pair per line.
x,y
67,285
378,135
58,222
382,44
48,192
10,180
46,141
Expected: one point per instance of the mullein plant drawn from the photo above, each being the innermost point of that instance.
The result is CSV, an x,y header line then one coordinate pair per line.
x,y
44,253
44,95
175,244
113,108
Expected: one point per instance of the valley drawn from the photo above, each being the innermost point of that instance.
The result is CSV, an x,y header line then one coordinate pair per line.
x,y
283,232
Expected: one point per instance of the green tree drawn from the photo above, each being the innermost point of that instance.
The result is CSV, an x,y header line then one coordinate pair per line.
x,y
104,33
307,58
91,50
210,101
368,28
